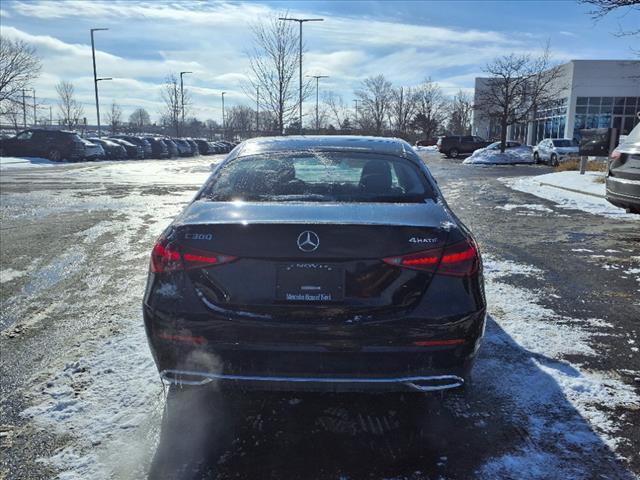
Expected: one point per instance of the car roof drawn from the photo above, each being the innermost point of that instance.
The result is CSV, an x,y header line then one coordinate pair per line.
x,y
390,146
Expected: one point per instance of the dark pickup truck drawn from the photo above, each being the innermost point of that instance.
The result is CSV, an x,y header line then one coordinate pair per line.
x,y
455,145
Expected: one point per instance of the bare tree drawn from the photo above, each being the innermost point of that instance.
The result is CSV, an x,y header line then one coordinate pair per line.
x,y
171,115
430,109
240,119
19,66
336,106
139,119
274,63
518,85
460,110
69,109
402,109
603,7
114,117
375,96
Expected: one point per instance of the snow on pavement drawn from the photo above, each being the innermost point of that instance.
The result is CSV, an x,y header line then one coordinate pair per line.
x,y
569,412
108,397
24,162
594,203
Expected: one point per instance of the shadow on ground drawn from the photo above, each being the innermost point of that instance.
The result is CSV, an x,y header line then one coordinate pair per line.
x,y
498,428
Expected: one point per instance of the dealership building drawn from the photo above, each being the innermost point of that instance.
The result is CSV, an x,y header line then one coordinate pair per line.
x,y
594,94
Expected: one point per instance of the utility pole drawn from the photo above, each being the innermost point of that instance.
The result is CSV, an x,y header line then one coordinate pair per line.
x,y
317,77
356,119
224,128
35,120
182,101
24,110
50,116
95,75
257,109
300,22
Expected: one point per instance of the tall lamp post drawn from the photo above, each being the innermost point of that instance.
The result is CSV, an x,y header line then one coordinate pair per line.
x,y
95,75
182,101
224,128
300,22
317,77
257,109
356,117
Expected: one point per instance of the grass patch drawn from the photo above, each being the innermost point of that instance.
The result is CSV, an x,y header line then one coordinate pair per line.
x,y
592,166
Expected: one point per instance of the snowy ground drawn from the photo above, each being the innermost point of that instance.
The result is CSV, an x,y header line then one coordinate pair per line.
x,y
428,148
24,162
485,156
540,407
572,191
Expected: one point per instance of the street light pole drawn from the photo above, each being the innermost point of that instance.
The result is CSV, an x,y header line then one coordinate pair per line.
x,y
356,118
257,109
95,75
35,120
300,22
317,77
224,128
182,101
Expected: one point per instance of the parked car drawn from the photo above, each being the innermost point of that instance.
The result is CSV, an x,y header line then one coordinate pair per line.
x,y
552,151
133,151
194,146
215,148
623,174
203,147
143,142
159,149
184,149
427,142
455,145
404,310
92,151
112,150
56,145
171,147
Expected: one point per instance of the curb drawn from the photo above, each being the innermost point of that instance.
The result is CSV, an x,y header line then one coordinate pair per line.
x,y
572,190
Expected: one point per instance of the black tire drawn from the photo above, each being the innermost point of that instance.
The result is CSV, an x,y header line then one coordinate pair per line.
x,y
536,157
553,160
453,153
54,155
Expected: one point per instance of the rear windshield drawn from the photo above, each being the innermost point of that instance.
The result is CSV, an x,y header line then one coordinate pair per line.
x,y
565,143
319,176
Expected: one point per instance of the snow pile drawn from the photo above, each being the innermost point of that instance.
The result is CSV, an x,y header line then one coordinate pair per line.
x,y
571,190
428,148
510,156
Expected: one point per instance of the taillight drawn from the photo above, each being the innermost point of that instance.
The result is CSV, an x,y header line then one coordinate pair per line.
x,y
459,259
615,155
170,257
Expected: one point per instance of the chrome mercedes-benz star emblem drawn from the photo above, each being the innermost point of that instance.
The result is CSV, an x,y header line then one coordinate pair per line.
x,y
308,241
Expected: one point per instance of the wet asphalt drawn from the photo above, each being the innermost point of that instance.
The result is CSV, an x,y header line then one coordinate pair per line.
x,y
203,433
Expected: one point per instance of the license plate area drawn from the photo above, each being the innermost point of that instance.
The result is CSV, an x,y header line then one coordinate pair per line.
x,y
304,282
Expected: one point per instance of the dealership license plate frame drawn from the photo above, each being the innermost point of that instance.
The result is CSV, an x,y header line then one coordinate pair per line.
x,y
310,282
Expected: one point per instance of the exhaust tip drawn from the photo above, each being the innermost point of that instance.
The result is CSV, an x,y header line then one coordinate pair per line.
x,y
181,377
436,383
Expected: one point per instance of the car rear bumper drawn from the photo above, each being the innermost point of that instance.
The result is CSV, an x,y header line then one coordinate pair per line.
x,y
623,192
188,353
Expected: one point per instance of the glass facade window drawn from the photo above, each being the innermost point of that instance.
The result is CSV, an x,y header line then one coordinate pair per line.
x,y
605,112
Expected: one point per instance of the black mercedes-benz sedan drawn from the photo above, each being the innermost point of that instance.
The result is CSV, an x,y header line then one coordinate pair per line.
x,y
317,263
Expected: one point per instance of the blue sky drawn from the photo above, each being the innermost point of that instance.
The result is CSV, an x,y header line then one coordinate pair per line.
x,y
406,41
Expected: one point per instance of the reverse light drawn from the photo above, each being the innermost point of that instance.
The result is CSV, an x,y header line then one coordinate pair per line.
x,y
459,260
170,257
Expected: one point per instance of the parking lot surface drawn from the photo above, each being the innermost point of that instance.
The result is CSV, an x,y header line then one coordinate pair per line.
x,y
555,392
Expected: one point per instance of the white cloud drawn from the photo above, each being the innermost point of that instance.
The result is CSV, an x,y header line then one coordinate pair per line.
x,y
148,40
